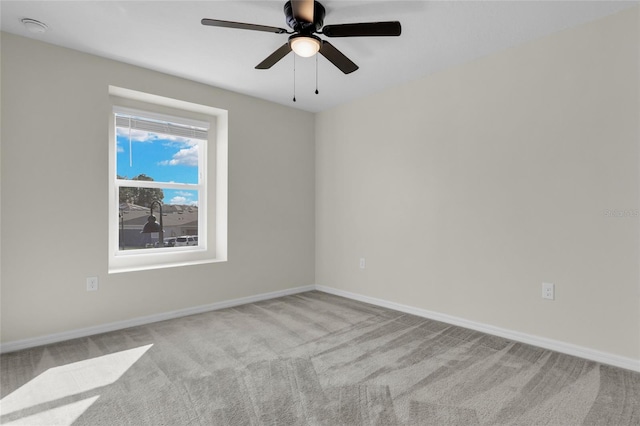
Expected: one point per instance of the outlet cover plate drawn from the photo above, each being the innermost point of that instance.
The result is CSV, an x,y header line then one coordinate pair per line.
x,y
92,283
548,291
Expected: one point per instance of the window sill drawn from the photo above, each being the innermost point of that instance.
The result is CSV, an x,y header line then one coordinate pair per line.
x,y
117,270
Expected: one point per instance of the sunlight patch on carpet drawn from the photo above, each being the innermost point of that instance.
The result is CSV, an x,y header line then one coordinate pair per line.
x,y
66,381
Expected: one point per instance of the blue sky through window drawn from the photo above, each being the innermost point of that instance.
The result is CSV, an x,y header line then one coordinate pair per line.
x,y
165,158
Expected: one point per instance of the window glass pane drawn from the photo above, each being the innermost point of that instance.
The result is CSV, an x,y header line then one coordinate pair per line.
x,y
179,217
154,155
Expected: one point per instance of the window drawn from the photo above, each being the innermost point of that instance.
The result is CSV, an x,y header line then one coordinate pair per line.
x,y
158,165
167,205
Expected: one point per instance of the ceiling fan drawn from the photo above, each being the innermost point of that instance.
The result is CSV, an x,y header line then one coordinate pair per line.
x,y
306,19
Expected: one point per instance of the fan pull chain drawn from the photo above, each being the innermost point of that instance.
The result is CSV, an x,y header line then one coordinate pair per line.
x,y
294,78
316,73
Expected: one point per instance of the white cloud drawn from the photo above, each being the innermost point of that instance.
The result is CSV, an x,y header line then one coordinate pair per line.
x,y
180,141
184,201
184,157
136,135
144,136
178,200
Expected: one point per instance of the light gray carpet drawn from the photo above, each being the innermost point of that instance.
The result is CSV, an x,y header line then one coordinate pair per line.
x,y
309,359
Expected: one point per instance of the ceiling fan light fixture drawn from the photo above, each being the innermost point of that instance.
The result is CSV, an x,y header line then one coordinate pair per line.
x,y
305,45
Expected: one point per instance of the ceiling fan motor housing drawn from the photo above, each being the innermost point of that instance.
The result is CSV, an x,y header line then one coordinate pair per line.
x,y
301,26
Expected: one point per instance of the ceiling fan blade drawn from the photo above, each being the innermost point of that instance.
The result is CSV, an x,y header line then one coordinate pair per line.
x,y
337,58
242,26
303,10
365,29
272,59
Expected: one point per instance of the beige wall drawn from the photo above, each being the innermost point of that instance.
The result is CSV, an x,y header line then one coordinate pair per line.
x,y
463,190
55,108
467,189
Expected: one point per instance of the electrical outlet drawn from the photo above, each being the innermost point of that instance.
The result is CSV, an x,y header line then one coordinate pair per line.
x,y
362,263
92,283
548,291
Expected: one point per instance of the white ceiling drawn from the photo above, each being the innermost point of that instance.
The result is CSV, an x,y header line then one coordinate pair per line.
x,y
167,36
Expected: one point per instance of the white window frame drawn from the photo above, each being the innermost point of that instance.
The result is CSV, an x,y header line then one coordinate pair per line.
x,y
212,183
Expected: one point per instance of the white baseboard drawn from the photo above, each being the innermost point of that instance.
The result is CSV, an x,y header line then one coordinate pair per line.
x,y
119,325
554,345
